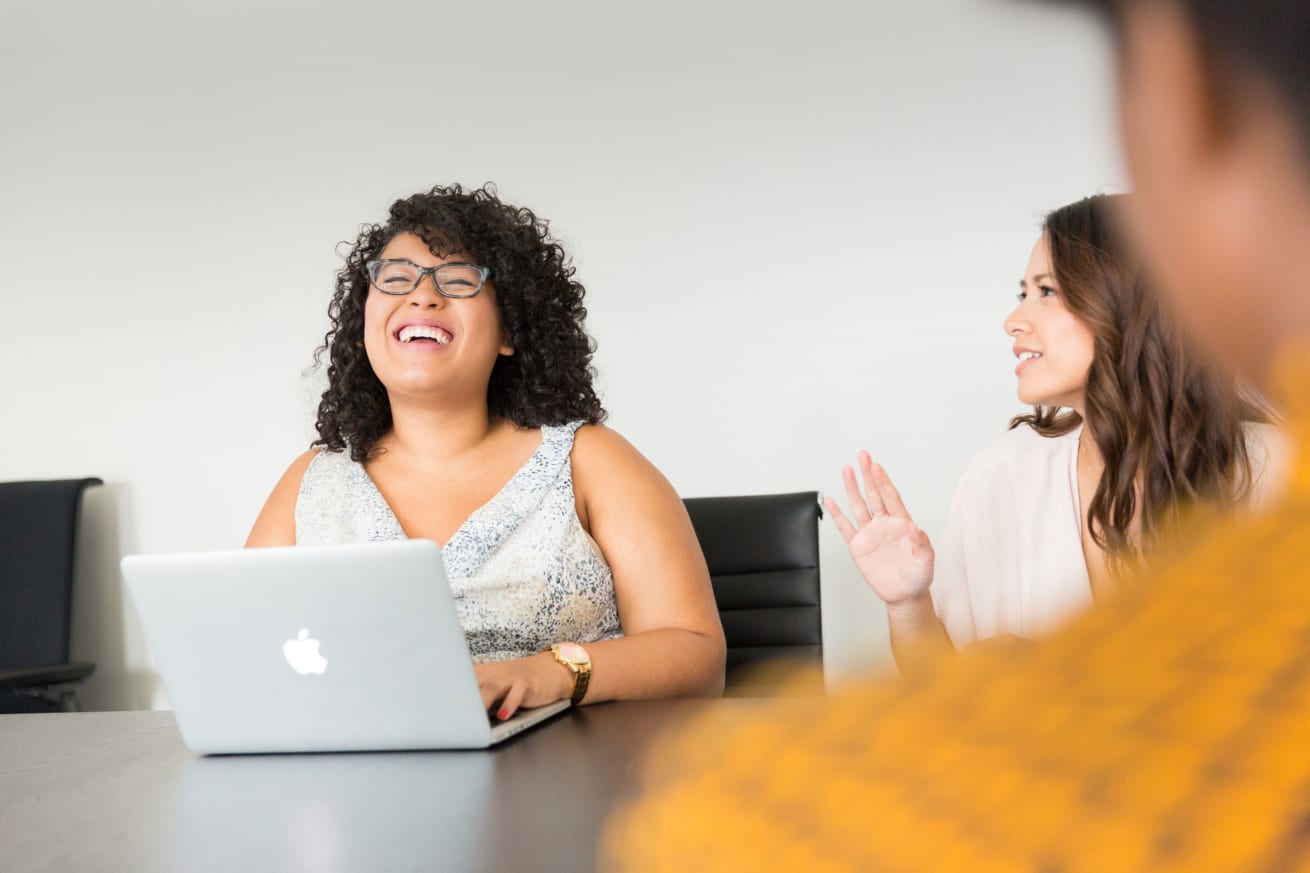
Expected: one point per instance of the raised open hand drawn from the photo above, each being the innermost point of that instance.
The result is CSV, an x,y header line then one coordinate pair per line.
x,y
890,551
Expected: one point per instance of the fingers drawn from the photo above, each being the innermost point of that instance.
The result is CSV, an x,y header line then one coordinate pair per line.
x,y
876,481
871,490
919,543
513,700
859,508
508,686
844,527
491,686
917,539
491,692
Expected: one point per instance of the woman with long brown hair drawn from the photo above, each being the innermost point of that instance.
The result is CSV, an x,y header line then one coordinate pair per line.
x,y
1128,428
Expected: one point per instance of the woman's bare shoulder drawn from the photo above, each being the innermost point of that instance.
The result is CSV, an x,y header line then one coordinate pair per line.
x,y
598,442
276,524
605,465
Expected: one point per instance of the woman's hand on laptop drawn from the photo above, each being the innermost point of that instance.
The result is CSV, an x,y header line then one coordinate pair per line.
x,y
507,686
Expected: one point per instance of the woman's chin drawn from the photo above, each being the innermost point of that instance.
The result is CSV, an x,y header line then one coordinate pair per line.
x,y
417,388
1038,398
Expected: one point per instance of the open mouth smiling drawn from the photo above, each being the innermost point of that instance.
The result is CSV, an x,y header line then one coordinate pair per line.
x,y
424,334
1026,357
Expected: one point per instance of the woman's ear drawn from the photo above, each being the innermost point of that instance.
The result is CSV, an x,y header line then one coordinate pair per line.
x,y
506,346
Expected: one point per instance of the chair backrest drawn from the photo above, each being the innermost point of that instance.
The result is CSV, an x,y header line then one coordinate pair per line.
x,y
763,555
38,531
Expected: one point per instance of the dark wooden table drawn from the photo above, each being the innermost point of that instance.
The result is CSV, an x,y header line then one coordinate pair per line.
x,y
118,791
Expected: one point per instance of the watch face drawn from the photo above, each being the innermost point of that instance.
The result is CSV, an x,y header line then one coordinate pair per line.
x,y
574,653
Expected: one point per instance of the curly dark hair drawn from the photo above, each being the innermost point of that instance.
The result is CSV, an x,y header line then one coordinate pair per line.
x,y
548,379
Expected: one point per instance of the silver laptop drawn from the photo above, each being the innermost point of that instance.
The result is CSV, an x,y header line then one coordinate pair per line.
x,y
314,649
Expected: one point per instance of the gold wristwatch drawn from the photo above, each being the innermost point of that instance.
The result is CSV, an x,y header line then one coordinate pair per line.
x,y
576,660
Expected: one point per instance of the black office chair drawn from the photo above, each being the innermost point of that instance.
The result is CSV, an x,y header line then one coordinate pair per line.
x,y
763,555
38,531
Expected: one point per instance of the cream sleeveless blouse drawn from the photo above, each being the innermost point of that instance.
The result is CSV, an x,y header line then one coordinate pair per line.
x,y
523,571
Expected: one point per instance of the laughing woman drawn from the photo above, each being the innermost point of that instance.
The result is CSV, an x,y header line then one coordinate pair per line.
x,y
460,409
1128,427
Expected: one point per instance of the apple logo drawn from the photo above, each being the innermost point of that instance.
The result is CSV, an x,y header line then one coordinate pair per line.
x,y
302,654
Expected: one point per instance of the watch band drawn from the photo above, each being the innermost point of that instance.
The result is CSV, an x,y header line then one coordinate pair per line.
x,y
581,670
581,679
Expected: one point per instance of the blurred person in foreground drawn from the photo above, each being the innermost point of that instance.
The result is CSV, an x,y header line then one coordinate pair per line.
x,y
1168,730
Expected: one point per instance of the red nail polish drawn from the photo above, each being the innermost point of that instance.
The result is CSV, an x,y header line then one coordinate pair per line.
x,y
503,714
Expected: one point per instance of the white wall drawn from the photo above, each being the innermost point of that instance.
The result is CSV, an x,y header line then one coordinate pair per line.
x,y
848,192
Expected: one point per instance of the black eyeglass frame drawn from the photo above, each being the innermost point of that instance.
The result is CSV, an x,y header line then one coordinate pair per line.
x,y
372,267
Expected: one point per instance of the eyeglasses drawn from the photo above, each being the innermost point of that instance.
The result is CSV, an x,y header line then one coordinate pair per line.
x,y
398,276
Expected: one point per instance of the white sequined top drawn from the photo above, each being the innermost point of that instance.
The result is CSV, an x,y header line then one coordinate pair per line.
x,y
523,571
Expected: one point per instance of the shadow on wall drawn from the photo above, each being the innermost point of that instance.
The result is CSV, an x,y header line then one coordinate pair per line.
x,y
102,610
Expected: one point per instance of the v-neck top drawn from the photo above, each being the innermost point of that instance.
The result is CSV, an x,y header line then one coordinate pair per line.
x,y
523,572
1011,560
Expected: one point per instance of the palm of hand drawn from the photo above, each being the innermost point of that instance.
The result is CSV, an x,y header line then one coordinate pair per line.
x,y
892,554
895,566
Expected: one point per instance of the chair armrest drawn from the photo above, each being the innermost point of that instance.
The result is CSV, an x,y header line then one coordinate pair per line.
x,y
30,677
